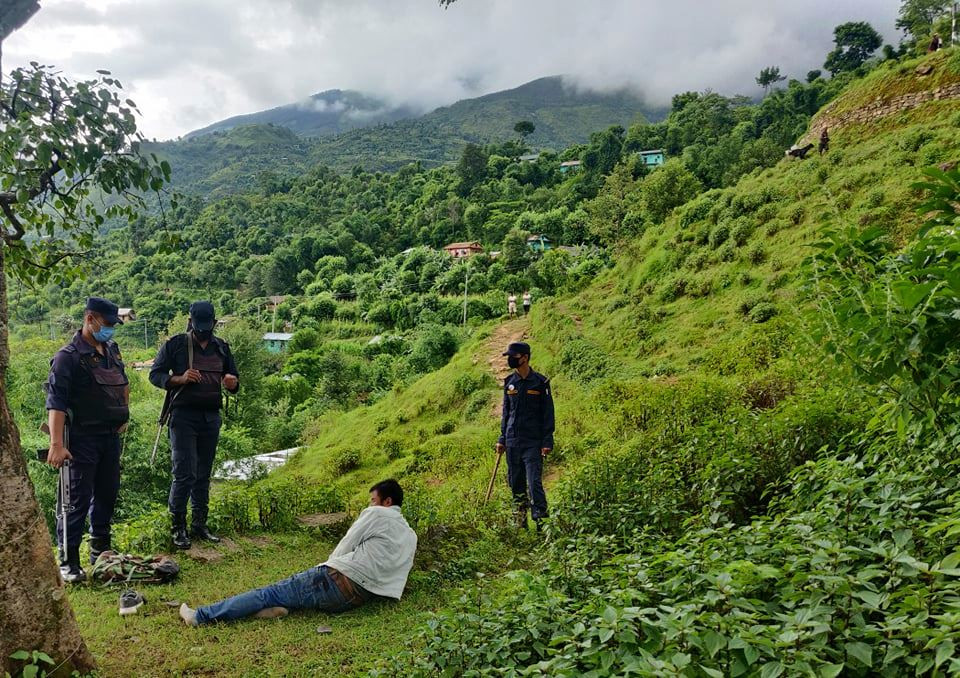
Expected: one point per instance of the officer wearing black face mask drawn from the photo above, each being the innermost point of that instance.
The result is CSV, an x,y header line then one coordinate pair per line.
x,y
194,368
526,433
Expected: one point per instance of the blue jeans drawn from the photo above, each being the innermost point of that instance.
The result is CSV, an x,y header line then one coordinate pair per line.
x,y
312,589
524,471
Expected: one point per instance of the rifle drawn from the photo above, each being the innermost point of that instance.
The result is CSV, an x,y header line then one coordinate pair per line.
x,y
164,417
64,502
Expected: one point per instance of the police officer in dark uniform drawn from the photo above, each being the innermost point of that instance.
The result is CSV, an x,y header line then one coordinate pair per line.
x,y
88,392
526,433
194,368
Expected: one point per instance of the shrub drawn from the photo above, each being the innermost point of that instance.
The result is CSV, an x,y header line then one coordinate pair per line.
x,y
673,288
775,226
766,213
719,235
762,312
582,360
344,460
756,253
727,252
796,214
741,231
697,260
392,448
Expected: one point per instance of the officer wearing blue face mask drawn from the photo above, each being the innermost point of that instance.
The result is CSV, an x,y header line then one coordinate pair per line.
x,y
88,391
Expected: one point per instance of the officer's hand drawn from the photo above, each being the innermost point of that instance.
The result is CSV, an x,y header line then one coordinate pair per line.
x,y
123,428
192,377
57,454
229,382
500,448
544,451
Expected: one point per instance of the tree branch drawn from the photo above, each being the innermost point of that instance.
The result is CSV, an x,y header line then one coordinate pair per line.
x,y
18,231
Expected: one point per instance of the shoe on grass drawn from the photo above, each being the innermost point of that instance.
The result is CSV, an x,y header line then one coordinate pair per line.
x,y
272,613
130,602
188,615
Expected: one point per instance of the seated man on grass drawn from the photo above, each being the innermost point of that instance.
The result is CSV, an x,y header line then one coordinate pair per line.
x,y
371,561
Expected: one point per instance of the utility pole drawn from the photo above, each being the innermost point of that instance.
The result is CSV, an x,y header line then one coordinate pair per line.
x,y
466,280
145,344
953,24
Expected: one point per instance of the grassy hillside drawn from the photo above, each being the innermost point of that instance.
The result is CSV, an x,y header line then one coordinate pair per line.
x,y
722,503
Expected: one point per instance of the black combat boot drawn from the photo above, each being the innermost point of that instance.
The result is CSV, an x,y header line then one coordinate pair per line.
x,y
178,530
97,546
70,569
199,529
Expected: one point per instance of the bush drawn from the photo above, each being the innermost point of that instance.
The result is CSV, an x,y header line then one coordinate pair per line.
x,y
719,235
762,312
582,360
741,231
673,288
756,253
344,461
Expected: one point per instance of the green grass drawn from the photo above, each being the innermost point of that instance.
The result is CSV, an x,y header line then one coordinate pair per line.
x,y
154,642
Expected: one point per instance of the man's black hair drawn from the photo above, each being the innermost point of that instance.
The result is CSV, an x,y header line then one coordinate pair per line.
x,y
389,488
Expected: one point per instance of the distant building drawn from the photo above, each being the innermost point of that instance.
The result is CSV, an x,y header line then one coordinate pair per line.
x,y
539,243
222,321
570,166
274,301
653,158
529,157
459,250
126,314
276,342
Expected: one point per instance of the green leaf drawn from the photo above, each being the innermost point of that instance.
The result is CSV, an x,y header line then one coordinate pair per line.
x,y
831,670
610,615
30,671
944,652
20,655
862,652
771,670
713,673
713,641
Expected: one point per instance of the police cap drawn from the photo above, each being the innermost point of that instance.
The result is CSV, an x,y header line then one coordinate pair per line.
x,y
107,309
518,347
202,316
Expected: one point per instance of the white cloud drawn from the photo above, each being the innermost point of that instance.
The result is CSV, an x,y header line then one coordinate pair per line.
x,y
190,63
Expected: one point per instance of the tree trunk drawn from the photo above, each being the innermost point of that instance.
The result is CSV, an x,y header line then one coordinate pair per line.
x,y
34,611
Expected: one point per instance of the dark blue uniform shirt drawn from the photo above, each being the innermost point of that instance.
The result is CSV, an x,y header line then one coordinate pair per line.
x,y
527,419
67,378
173,359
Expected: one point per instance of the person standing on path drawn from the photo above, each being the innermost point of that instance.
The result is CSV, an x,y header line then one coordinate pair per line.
x,y
88,395
526,302
512,305
526,433
194,368
824,141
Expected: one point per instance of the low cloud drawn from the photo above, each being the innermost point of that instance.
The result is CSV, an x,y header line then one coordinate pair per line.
x,y
190,63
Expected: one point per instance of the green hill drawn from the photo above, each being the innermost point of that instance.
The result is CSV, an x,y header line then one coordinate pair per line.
x,y
230,156
729,495
325,113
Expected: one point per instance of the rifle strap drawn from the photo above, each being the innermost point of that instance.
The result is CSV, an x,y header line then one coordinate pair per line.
x,y
189,337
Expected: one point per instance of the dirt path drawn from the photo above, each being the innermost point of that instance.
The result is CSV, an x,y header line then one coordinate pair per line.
x,y
500,338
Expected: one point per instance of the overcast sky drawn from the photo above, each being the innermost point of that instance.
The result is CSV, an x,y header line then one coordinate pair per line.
x,y
188,63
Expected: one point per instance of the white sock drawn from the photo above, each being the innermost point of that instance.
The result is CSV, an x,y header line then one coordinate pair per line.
x,y
188,615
